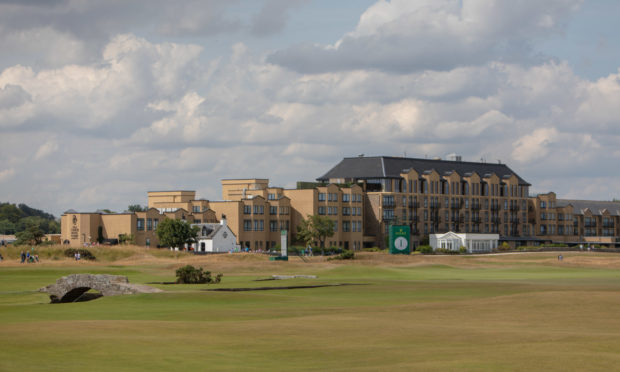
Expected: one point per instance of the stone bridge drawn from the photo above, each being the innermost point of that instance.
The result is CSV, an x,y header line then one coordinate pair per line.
x,y
71,287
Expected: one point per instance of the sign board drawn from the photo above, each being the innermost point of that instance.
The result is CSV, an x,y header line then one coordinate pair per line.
x,y
283,243
400,241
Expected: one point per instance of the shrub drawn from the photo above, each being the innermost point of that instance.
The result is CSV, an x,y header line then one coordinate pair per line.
x,y
446,251
345,255
463,250
504,247
373,249
85,254
425,249
190,275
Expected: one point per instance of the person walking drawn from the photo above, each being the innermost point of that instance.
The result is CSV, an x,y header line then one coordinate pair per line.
x,y
23,257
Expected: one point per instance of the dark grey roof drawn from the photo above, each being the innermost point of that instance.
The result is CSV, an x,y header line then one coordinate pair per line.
x,y
207,230
595,206
391,167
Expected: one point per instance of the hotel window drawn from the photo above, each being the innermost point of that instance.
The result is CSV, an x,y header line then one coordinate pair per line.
x,y
155,223
335,226
149,224
346,226
247,209
505,204
346,197
322,210
259,209
273,225
259,225
284,210
247,225
346,211
321,196
273,209
196,209
140,224
271,196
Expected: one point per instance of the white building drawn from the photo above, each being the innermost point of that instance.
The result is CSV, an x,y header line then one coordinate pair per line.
x,y
215,238
475,243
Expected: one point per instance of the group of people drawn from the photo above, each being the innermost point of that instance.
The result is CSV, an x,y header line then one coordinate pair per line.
x,y
28,258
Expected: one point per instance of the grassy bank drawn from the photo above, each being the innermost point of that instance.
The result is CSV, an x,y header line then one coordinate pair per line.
x,y
510,312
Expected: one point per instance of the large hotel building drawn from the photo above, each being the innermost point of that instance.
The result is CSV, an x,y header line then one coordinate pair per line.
x,y
363,196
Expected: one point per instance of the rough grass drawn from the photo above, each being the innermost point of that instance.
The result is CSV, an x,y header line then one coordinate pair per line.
x,y
505,312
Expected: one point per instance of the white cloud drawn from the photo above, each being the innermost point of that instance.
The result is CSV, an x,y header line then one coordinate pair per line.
x,y
403,36
535,145
46,149
5,174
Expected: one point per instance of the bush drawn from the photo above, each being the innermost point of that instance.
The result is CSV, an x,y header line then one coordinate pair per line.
x,y
346,255
425,249
190,275
463,250
504,247
446,251
372,249
85,254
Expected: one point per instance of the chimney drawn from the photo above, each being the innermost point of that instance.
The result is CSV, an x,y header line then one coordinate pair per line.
x,y
223,220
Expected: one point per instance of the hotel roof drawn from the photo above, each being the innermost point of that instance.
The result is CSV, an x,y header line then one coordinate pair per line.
x,y
362,167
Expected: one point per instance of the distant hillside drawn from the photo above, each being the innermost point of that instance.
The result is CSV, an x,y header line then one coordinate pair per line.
x,y
16,218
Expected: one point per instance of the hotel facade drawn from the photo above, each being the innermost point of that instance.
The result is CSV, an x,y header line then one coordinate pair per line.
x,y
363,196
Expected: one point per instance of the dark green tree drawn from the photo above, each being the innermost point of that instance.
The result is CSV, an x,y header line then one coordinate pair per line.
x,y
136,208
32,235
7,227
315,229
176,233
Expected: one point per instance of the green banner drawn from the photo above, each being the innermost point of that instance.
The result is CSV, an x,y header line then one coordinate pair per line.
x,y
400,242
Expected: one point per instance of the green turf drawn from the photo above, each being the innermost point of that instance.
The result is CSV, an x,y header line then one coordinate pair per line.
x,y
506,315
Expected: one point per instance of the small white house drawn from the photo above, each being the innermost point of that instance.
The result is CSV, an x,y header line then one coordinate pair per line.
x,y
475,243
215,238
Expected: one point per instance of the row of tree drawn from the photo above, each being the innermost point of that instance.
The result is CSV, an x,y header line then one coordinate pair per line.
x,y
20,217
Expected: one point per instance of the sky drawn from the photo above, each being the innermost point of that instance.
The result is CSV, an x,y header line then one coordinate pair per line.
x,y
102,101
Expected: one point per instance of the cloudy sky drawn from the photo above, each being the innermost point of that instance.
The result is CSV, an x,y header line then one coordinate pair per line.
x,y
102,101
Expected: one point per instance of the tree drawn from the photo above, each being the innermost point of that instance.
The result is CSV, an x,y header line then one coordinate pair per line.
x,y
176,233
136,208
314,229
32,235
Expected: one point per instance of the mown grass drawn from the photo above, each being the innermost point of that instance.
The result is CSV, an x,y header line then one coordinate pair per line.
x,y
466,313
